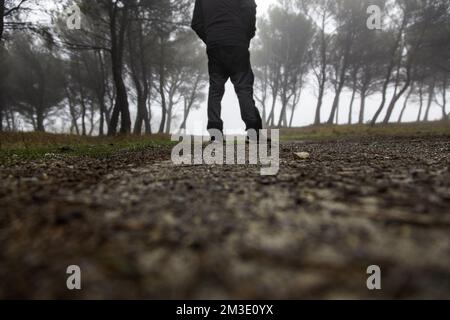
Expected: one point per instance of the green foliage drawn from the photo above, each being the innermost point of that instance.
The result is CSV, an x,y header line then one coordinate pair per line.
x,y
36,85
30,146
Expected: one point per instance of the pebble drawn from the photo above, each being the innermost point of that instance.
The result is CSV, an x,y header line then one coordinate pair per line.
x,y
303,155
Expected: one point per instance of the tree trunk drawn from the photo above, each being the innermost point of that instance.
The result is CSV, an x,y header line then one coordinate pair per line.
x,y
283,121
398,95
171,103
2,19
394,102
9,126
337,114
142,118
391,106
430,101
72,112
350,113
341,80
383,98
101,128
292,116
143,112
275,87
419,117
444,101
1,117
264,114
323,72
1,112
114,121
117,45
139,117
13,121
263,99
189,102
40,121
83,113
405,104
295,102
169,118
335,105
317,119
101,95
92,120
334,109
162,83
2,50
125,126
149,110
362,107
120,107
138,75
185,116
109,110
389,70
271,119
83,118
141,100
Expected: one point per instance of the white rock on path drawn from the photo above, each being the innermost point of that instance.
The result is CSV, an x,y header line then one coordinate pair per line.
x,y
303,155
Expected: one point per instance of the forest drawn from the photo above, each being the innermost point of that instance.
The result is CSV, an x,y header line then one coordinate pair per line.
x,y
134,66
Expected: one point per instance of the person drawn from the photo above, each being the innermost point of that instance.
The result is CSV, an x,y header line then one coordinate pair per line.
x,y
227,28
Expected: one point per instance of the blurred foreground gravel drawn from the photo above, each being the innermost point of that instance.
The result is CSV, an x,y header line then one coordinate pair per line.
x,y
140,227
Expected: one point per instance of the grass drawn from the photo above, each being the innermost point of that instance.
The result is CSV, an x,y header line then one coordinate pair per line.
x,y
35,145
324,132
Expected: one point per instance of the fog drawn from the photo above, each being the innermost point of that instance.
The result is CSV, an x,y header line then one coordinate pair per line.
x,y
37,31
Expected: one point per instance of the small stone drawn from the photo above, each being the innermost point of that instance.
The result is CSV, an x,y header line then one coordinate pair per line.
x,y
109,176
303,155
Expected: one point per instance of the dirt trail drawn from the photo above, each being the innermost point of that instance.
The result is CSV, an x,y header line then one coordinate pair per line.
x,y
140,227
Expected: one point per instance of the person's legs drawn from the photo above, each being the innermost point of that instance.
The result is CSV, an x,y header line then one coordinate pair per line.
x,y
243,80
217,80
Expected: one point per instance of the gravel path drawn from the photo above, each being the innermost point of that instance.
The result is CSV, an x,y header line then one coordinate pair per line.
x,y
140,227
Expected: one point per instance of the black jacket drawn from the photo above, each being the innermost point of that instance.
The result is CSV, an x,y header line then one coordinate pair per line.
x,y
225,22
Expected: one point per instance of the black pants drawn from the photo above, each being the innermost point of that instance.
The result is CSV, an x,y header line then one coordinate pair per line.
x,y
234,63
